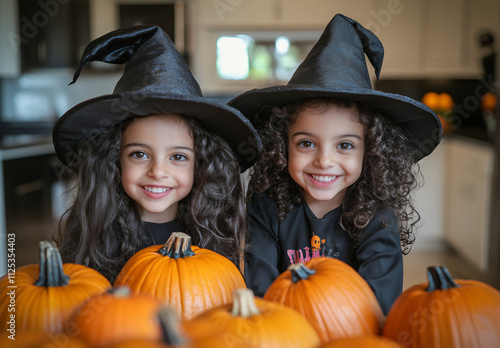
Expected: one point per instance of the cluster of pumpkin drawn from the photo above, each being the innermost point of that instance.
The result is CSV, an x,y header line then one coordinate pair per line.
x,y
179,295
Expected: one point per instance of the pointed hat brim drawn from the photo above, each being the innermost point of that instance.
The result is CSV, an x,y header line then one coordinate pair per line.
x,y
420,123
83,121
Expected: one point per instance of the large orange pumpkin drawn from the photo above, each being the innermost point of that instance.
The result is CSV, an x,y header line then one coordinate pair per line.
x,y
254,322
116,315
41,297
174,336
446,313
171,334
42,340
363,342
190,279
333,297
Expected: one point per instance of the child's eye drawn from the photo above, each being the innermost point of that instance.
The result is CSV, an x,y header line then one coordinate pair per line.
x,y
139,154
305,143
179,157
345,146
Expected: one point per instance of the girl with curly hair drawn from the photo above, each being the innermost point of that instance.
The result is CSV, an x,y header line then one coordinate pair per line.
x,y
153,158
338,166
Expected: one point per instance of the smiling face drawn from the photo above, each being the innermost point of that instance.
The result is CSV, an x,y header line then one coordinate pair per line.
x,y
157,165
325,155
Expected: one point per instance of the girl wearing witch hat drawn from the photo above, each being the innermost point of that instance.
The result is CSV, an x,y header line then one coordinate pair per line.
x,y
338,166
151,158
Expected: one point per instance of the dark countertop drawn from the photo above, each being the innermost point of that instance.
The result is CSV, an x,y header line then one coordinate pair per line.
x,y
23,134
477,133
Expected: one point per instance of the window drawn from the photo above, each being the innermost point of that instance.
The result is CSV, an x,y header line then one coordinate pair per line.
x,y
262,56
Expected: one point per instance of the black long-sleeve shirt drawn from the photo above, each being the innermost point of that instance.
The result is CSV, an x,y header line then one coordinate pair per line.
x,y
274,245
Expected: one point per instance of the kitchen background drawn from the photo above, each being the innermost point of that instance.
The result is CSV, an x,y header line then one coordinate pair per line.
x,y
441,46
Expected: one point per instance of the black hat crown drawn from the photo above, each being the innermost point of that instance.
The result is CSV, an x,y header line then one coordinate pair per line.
x,y
151,58
335,65
156,80
336,68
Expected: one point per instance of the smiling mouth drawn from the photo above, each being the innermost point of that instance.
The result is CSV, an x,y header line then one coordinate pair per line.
x,y
324,178
156,189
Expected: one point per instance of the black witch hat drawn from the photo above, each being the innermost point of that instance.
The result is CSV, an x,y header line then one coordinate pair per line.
x,y
336,68
156,80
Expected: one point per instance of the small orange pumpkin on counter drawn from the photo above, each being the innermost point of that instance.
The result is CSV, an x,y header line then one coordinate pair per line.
x,y
254,322
488,102
188,278
445,313
42,296
331,295
442,104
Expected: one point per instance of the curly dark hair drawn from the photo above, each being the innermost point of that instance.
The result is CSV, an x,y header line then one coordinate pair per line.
x,y
102,228
390,169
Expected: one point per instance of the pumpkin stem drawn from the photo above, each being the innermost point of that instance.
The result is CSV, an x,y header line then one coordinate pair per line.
x,y
300,271
120,291
440,279
170,327
244,303
177,246
51,267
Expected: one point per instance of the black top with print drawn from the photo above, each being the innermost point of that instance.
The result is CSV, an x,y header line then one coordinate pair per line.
x,y
274,245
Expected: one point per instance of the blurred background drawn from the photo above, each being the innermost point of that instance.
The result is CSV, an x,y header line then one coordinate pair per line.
x,y
443,53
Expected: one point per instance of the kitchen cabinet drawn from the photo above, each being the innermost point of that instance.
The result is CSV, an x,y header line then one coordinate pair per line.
x,y
53,34
10,63
468,182
263,19
435,38
275,14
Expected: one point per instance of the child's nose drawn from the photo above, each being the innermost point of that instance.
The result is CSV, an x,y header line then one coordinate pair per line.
x,y
159,169
325,159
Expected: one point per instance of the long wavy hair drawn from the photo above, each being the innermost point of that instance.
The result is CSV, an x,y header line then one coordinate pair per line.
x,y
102,228
390,170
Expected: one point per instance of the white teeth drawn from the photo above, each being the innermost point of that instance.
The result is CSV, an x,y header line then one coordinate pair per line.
x,y
156,189
324,178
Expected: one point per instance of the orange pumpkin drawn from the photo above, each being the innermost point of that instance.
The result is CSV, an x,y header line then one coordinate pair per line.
x,y
438,102
174,336
116,315
171,333
333,297
446,313
254,322
442,104
363,342
190,279
42,340
488,102
41,297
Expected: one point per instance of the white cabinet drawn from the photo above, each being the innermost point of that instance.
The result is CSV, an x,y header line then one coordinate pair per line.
x,y
260,18
275,14
10,40
468,178
428,38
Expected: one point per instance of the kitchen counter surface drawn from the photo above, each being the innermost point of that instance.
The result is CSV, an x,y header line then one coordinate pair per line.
x,y
474,133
